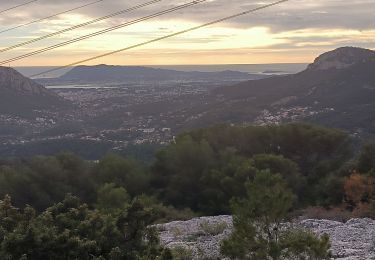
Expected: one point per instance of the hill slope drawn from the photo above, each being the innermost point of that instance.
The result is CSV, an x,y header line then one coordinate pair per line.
x,y
20,95
338,90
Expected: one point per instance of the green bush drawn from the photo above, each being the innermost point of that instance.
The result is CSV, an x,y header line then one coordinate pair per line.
x,y
182,253
70,230
213,229
258,231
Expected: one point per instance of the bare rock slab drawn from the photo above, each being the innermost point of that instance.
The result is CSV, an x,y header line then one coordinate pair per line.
x,y
353,240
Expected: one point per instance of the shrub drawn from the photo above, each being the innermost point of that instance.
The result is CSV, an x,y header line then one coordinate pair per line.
x,y
336,214
182,253
258,231
176,232
213,229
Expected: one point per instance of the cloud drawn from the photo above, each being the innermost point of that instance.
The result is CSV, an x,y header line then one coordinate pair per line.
x,y
306,26
295,14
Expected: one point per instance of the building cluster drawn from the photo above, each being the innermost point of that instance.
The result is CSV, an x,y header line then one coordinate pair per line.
x,y
288,114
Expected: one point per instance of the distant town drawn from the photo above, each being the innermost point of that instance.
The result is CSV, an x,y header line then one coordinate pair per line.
x,y
131,113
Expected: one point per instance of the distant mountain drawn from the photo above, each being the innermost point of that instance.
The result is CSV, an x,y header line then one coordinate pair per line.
x,y
20,95
338,89
108,73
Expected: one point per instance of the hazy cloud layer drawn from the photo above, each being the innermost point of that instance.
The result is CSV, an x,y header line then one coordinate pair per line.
x,y
308,26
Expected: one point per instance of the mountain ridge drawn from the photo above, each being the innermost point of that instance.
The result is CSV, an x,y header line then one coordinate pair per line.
x,y
103,72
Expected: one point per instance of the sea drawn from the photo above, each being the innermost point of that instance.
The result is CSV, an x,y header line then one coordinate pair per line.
x,y
275,68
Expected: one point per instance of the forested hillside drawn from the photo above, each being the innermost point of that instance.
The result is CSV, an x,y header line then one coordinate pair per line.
x,y
202,170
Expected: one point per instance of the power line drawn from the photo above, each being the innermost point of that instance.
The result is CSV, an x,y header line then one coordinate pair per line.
x,y
81,25
173,9
17,6
164,37
49,17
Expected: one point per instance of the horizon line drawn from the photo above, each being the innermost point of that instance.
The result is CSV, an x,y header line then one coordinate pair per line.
x,y
148,65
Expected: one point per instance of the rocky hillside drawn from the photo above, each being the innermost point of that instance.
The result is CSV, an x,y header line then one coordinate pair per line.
x,y
342,58
201,237
11,80
20,95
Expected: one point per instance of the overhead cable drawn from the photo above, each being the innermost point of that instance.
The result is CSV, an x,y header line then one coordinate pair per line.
x,y
49,17
17,6
164,37
84,37
80,25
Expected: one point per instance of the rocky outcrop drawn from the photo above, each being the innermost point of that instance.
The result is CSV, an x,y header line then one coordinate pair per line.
x,y
201,237
353,240
342,58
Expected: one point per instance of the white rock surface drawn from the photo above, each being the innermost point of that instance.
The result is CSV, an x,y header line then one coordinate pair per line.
x,y
353,240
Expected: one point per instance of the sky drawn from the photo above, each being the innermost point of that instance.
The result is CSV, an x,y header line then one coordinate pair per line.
x,y
293,32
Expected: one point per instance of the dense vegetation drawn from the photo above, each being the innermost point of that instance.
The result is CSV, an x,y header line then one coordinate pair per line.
x,y
258,225
204,169
90,150
198,174
70,230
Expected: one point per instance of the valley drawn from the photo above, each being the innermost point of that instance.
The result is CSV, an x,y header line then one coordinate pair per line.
x,y
187,130
112,116
135,106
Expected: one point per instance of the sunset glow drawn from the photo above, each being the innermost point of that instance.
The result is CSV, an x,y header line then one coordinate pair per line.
x,y
268,36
